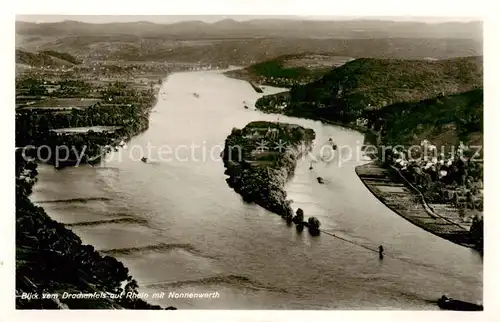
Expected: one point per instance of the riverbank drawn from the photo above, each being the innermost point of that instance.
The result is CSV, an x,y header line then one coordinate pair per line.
x,y
381,180
393,191
54,270
290,70
441,218
242,74
255,82
278,103
83,134
261,158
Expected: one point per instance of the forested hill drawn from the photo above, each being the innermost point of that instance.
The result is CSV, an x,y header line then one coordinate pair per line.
x,y
290,70
445,120
344,93
45,58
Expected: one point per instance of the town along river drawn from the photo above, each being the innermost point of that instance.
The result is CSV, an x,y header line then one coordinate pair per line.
x,y
179,227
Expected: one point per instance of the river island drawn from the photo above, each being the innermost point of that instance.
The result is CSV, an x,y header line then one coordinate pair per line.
x,y
261,158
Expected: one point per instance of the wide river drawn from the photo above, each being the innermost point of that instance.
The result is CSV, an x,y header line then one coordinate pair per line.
x,y
178,227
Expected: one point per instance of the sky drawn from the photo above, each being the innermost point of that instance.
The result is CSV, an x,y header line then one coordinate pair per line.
x,y
213,18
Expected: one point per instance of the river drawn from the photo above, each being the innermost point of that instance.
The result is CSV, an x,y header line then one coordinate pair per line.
x,y
178,227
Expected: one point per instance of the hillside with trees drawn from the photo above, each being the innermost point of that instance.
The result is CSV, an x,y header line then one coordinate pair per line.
x,y
444,120
346,92
290,70
45,58
429,114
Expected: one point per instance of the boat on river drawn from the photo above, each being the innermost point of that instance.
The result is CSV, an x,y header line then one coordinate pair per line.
x,y
447,303
320,180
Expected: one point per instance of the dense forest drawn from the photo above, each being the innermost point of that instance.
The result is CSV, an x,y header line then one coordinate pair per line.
x,y
344,93
46,58
445,120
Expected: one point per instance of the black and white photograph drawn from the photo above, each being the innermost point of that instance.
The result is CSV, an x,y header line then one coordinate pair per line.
x,y
248,162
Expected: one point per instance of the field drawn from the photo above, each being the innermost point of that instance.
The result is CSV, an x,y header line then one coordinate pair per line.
x,y
65,102
443,221
76,130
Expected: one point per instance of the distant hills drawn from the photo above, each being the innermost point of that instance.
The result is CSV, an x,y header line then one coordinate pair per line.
x,y
262,28
243,43
404,64
45,58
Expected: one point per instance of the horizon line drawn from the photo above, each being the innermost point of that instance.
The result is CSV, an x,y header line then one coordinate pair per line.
x,y
49,19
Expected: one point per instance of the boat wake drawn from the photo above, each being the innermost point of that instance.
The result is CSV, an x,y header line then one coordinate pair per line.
x,y
161,247
107,168
232,280
154,162
127,220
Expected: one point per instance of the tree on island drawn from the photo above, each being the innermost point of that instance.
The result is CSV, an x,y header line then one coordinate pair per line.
x,y
314,225
288,217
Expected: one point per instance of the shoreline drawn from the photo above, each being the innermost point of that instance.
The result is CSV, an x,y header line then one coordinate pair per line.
x,y
255,87
425,218
85,271
435,222
43,244
403,202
